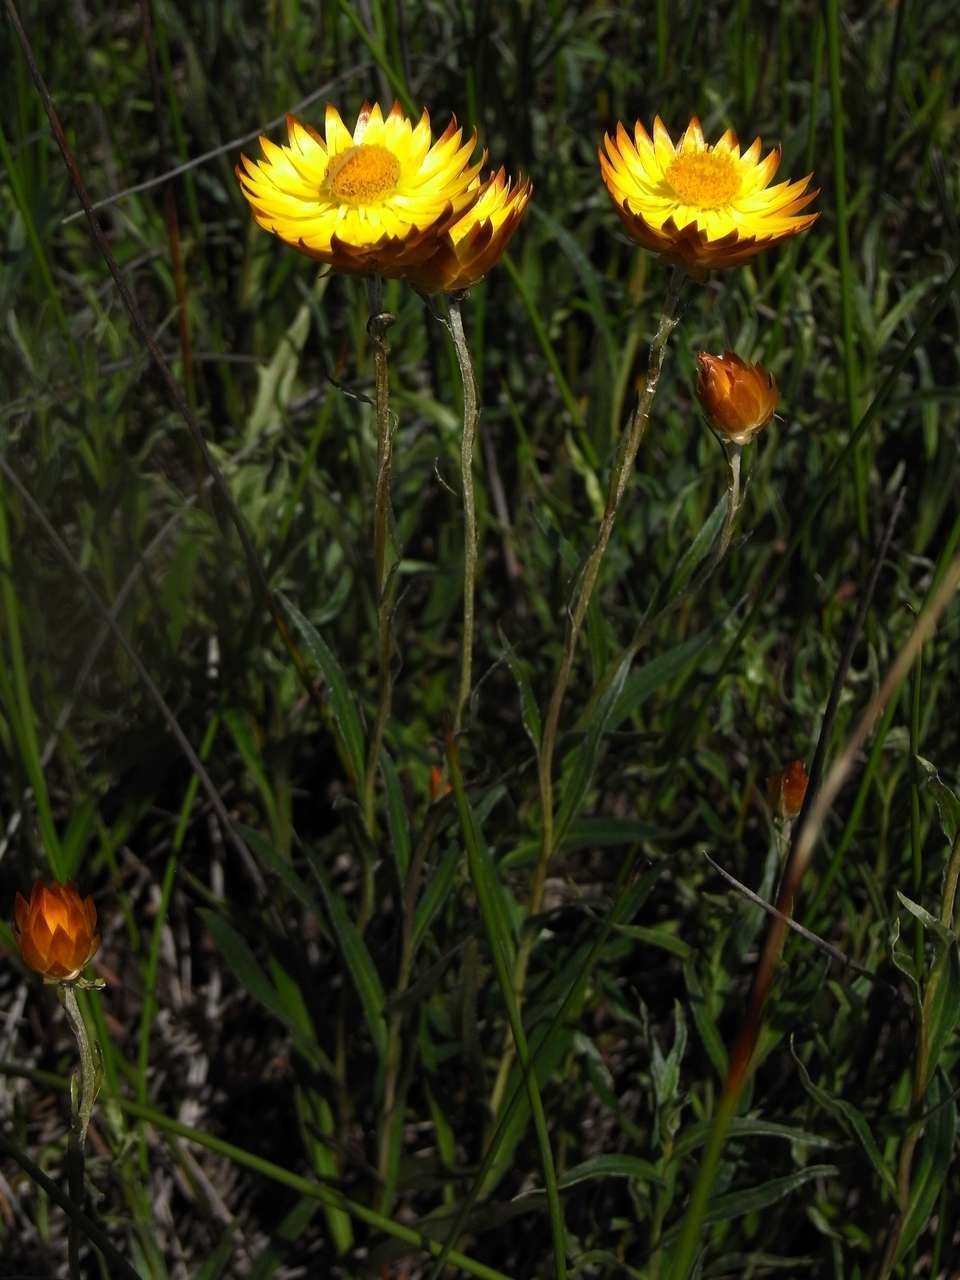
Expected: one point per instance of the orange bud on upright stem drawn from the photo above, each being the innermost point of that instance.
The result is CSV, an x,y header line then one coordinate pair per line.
x,y
738,398
787,788
56,931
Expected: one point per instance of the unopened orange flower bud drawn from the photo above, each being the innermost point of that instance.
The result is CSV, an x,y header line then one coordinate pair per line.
x,y
786,789
738,398
56,931
439,787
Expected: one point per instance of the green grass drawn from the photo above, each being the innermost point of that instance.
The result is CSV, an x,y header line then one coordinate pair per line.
x,y
317,1056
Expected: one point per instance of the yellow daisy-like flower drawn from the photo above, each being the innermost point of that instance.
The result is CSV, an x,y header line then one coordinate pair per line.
x,y
478,239
375,200
700,205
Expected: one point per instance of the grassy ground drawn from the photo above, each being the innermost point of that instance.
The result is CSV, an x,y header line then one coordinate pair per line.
x,y
308,1066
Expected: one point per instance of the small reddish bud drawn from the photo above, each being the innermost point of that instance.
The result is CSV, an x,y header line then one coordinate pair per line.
x,y
738,398
56,931
439,787
786,789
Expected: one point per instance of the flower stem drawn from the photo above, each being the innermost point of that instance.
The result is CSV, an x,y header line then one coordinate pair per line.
x,y
699,1198
471,417
384,557
621,472
83,1092
654,616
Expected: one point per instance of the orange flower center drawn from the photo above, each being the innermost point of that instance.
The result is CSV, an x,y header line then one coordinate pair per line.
x,y
705,179
362,175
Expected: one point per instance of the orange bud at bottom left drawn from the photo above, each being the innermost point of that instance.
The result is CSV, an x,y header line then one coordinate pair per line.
x,y
56,931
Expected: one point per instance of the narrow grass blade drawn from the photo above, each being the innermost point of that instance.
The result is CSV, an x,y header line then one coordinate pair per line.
x,y
497,928
347,717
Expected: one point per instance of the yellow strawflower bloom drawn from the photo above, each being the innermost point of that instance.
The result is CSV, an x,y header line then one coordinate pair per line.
x,y
376,200
477,240
701,205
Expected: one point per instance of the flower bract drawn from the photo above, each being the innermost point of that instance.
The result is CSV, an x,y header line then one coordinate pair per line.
x,y
739,398
700,205
376,200
477,240
56,930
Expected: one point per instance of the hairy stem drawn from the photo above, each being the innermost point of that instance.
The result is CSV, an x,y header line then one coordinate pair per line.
x,y
471,417
621,472
83,1091
384,559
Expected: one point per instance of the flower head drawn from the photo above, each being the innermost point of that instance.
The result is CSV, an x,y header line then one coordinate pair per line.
x,y
738,398
477,240
375,200
56,930
786,789
701,205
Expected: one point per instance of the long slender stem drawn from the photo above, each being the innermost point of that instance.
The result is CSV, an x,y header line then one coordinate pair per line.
x,y
654,616
619,478
383,555
471,417
686,1248
82,1095
621,472
916,834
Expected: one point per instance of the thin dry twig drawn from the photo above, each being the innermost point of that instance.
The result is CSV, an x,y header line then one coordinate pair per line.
x,y
832,951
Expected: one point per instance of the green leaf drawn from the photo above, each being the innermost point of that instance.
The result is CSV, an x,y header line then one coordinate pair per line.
x,y
698,548
929,922
752,1199
656,673
345,711
576,781
611,1166
242,733
902,960
604,1166
396,816
284,871
496,922
936,1153
852,1120
293,1225
588,833
276,381
529,711
746,1127
941,1008
657,937
703,1018
246,969
665,1071
593,286
948,803
354,953
435,895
